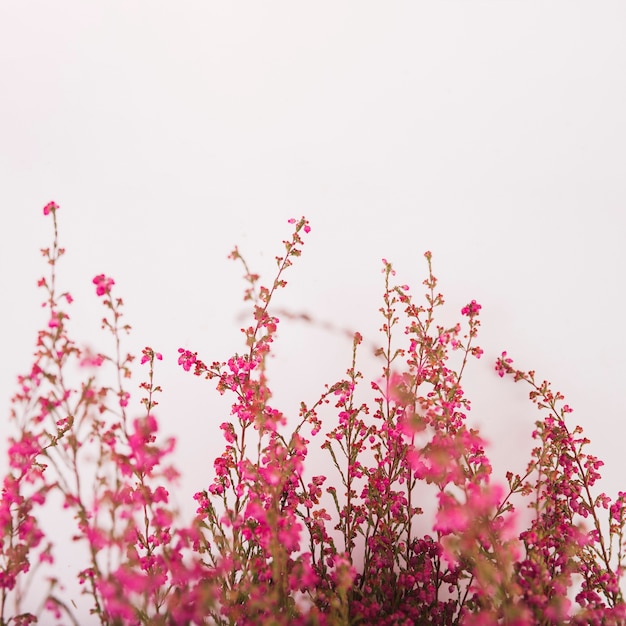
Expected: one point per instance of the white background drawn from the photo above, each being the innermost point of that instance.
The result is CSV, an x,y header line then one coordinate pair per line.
x,y
491,133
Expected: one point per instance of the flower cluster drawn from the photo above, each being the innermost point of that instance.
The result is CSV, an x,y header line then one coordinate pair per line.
x,y
270,541
103,284
471,309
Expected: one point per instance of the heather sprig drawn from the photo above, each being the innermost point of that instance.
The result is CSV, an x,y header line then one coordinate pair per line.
x,y
567,545
77,440
252,540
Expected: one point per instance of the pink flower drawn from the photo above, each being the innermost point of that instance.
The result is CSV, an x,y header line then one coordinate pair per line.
x,y
186,358
89,359
503,364
302,223
149,354
477,352
451,519
103,284
471,309
51,207
53,607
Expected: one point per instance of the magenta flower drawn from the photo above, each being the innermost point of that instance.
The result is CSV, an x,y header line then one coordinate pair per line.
x,y
103,284
186,358
51,207
471,309
148,354
503,364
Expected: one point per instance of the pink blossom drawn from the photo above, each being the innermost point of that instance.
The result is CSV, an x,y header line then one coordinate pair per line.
x,y
187,359
148,354
89,359
503,364
471,309
103,284
51,207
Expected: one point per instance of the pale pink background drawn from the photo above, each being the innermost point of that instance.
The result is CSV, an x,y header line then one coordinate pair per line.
x,y
492,133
